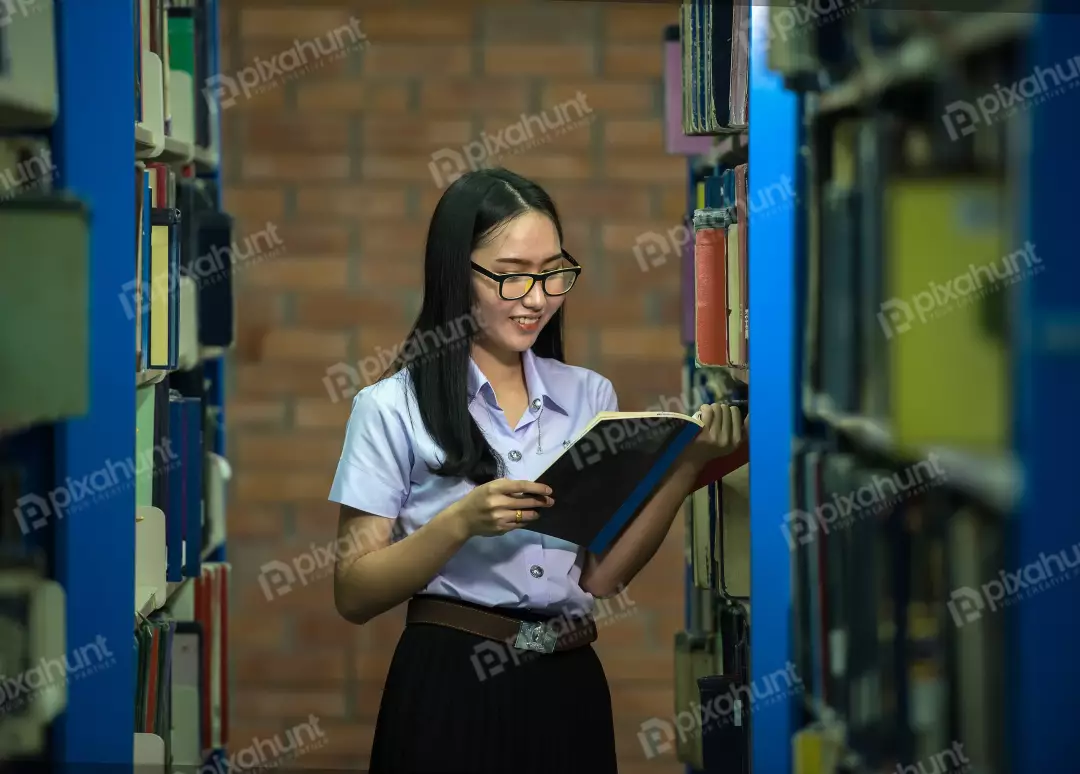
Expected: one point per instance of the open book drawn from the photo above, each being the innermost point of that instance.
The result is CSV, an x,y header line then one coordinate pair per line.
x,y
612,468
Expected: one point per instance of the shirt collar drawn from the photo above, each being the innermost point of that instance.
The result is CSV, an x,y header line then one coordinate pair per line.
x,y
538,387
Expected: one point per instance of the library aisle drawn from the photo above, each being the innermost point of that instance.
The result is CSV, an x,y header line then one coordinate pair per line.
x,y
198,275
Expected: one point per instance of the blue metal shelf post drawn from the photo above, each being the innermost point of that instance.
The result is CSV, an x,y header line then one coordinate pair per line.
x,y
1045,675
773,151
94,147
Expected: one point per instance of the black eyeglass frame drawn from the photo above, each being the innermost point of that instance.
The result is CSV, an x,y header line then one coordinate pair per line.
x,y
541,278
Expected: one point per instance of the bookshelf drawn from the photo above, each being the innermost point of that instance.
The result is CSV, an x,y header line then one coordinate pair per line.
x,y
119,557
1009,705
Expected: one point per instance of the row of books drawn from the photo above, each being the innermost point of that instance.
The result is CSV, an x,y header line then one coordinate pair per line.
x,y
889,637
706,95
910,274
182,295
182,674
28,71
44,289
172,64
715,45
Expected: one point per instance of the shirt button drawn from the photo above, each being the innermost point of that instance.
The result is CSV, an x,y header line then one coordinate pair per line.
x,y
537,571
514,456
536,405
566,444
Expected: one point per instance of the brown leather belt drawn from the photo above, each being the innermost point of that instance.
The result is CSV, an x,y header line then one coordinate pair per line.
x,y
555,634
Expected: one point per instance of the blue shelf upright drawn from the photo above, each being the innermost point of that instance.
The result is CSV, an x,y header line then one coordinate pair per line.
x,y
773,152
1045,676
94,145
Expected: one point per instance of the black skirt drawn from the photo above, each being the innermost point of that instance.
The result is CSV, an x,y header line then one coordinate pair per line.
x,y
455,702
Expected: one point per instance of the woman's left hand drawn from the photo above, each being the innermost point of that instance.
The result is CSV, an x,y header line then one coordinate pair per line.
x,y
723,432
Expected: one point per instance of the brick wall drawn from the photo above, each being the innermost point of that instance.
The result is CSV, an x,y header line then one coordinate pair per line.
x,y
336,158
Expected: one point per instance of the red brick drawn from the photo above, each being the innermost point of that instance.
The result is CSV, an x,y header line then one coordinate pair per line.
x,y
395,60
262,413
294,168
461,96
658,169
631,98
635,134
259,308
271,132
379,340
317,451
537,23
389,269
412,167
322,412
366,201
542,165
255,203
300,274
255,522
636,60
282,486
309,239
549,59
288,23
412,135
659,378
554,129
256,629
607,311
298,344
323,627
639,343
351,94
307,669
638,701
344,310
342,746
638,21
673,203
271,704
433,23
602,200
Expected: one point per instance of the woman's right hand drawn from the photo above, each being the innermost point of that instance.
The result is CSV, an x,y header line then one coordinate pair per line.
x,y
493,508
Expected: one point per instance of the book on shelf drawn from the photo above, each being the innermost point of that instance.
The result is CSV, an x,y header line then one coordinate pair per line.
x,y
676,141
44,309
710,286
28,72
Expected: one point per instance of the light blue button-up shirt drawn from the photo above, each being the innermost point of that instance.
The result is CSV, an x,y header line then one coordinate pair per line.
x,y
384,471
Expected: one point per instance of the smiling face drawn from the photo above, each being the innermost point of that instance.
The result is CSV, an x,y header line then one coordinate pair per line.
x,y
528,243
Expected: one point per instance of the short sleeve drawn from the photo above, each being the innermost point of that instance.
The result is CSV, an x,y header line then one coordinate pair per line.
x,y
373,473
605,396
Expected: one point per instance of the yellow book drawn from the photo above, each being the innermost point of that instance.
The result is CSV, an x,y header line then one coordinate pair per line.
x,y
948,277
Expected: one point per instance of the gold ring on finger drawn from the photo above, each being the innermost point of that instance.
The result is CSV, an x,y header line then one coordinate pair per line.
x,y
517,516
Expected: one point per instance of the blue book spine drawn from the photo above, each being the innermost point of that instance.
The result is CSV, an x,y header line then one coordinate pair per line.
x,y
174,517
193,477
643,490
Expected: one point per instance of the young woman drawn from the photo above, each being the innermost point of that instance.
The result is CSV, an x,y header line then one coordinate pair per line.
x,y
434,486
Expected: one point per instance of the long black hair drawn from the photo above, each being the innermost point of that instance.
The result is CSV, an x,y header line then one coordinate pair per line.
x,y
469,214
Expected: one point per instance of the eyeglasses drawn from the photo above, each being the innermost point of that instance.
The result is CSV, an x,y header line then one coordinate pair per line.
x,y
517,285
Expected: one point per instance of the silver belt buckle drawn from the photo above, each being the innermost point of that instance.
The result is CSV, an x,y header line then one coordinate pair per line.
x,y
537,637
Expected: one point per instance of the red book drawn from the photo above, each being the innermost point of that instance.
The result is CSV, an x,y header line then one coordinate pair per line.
x,y
710,292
